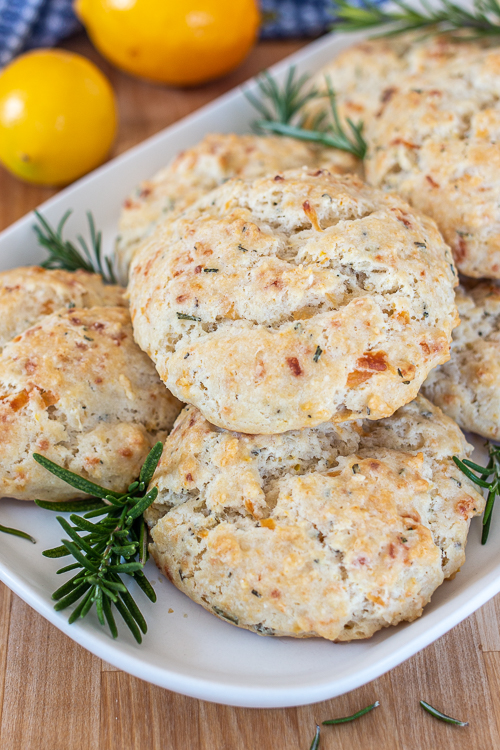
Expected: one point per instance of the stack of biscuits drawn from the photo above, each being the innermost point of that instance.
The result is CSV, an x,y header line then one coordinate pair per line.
x,y
299,319
307,488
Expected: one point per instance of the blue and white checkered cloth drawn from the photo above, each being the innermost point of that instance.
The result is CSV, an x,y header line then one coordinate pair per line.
x,y
25,24
295,18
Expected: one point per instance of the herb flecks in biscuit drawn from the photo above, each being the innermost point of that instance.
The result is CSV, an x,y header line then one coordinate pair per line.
x,y
338,307
334,531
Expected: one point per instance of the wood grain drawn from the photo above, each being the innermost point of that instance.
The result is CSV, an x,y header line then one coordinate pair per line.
x,y
56,696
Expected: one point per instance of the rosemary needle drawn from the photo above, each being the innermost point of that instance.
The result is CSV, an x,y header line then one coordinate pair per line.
x,y
489,479
315,742
16,532
438,715
345,719
104,550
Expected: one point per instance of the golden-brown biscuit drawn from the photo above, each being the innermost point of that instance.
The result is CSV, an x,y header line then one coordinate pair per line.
x,y
77,389
432,123
334,531
301,297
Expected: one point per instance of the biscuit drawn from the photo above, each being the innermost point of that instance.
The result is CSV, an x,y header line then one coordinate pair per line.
x,y
432,124
294,299
203,167
467,388
333,531
29,293
77,389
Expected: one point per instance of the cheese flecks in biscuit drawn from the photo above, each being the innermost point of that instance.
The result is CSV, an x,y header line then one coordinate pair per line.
x,y
203,167
432,123
294,299
334,531
77,389
29,293
467,388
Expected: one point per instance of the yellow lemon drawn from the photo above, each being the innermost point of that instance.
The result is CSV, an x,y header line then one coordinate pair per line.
x,y
179,42
57,117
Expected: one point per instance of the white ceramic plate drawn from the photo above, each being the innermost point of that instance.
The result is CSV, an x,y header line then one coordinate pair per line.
x,y
187,649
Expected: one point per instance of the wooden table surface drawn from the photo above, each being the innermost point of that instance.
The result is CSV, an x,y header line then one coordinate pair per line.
x,y
56,696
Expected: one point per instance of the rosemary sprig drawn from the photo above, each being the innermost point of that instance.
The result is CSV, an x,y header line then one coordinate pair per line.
x,y
445,17
64,254
357,715
16,532
438,715
281,111
115,545
489,479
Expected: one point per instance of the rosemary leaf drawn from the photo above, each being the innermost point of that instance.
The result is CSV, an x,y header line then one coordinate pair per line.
x,y
130,567
73,479
143,504
84,562
16,532
185,316
81,609
484,470
134,610
143,542
99,606
108,614
448,719
81,523
144,584
486,527
56,552
67,568
315,742
129,620
150,464
124,550
345,719
72,597
77,506
70,585
87,604
115,585
96,513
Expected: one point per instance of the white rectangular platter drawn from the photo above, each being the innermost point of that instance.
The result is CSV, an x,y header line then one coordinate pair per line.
x,y
186,649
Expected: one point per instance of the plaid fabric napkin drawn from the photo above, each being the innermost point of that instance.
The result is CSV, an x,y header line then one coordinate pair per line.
x,y
25,24
295,18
